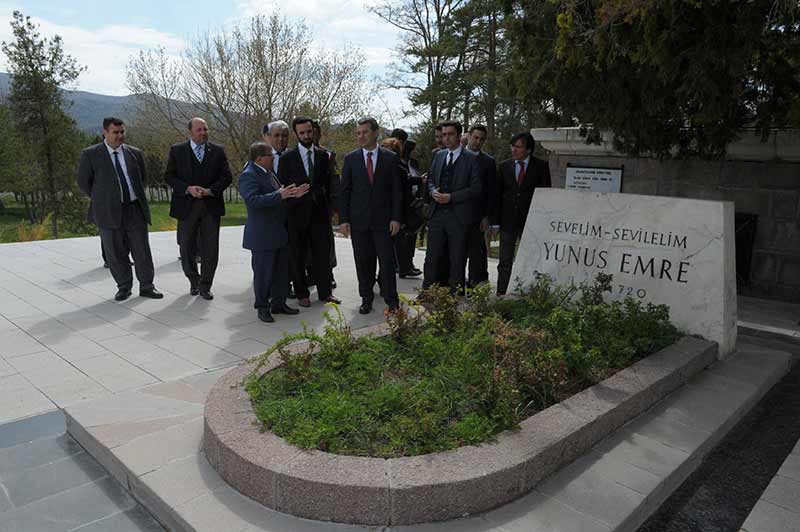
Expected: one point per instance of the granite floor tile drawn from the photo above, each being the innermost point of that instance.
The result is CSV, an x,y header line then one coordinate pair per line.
x,y
19,398
791,467
536,512
767,517
114,373
45,426
28,455
46,480
17,342
784,492
153,451
69,509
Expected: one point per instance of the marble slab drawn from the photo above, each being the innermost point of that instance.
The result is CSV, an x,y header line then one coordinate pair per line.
x,y
673,251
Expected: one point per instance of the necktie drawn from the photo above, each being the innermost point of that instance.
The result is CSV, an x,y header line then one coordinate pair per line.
x,y
370,168
450,160
276,162
521,176
310,157
123,183
198,151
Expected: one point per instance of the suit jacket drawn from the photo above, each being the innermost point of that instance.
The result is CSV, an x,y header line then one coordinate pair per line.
x,y
98,180
364,205
265,228
466,185
513,201
489,180
179,176
316,202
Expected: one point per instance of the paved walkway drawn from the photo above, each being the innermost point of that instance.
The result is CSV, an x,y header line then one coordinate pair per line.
x,y
64,339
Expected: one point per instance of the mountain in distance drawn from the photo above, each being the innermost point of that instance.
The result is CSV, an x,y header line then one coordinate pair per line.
x,y
86,108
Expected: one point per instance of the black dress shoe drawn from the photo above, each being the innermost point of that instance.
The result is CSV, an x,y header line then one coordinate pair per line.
x,y
207,295
151,293
194,288
285,309
414,272
122,295
365,308
265,315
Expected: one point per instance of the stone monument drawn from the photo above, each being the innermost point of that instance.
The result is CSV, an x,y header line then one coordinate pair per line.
x,y
673,251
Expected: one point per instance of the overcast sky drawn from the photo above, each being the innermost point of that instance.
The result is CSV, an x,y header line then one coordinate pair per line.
x,y
102,36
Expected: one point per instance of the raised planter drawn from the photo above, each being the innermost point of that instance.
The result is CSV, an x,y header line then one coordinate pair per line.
x,y
439,486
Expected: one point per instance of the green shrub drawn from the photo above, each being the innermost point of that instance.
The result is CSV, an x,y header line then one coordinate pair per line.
x,y
450,372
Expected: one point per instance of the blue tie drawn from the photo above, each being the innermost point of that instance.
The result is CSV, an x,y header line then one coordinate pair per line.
x,y
198,151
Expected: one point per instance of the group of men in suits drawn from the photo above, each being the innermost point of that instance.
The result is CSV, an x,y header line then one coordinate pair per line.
x,y
288,195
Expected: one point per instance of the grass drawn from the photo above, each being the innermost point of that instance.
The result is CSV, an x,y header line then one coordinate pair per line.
x,y
454,373
14,214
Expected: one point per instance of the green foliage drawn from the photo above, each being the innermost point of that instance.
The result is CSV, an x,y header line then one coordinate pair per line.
x,y
451,372
671,77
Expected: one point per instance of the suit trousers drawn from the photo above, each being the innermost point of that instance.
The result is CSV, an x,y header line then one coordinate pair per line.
x,y
508,246
371,246
405,245
270,277
131,237
316,235
448,239
478,269
199,227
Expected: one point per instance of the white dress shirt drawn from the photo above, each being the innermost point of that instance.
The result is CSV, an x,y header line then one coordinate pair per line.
x,y
527,162
304,157
121,158
374,153
456,153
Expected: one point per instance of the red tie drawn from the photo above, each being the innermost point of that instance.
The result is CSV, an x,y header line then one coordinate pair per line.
x,y
370,168
521,176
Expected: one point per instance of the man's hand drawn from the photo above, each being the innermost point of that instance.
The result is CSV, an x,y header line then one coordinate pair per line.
x,y
394,227
441,197
195,191
287,192
344,229
302,190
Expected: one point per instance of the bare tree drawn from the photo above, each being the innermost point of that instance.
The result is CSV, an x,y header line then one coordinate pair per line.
x,y
240,79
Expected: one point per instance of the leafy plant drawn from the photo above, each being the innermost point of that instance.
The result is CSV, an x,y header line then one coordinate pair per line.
x,y
451,372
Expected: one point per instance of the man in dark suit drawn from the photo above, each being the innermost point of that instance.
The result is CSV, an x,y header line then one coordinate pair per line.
x,y
265,232
519,178
198,172
478,265
371,210
455,187
309,216
113,175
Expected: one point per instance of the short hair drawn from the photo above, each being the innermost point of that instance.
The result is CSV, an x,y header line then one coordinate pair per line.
x,y
259,149
373,124
393,144
478,127
109,120
191,120
527,137
453,123
438,127
277,124
301,120
399,134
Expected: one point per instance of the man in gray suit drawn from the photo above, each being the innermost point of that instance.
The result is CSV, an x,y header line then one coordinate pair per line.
x,y
113,175
455,187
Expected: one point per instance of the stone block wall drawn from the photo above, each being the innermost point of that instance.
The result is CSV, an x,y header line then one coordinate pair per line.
x,y
769,189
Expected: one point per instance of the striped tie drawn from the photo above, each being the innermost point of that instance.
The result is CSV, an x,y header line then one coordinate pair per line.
x,y
198,151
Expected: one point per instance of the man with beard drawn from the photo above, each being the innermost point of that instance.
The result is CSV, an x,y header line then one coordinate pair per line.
x,y
309,216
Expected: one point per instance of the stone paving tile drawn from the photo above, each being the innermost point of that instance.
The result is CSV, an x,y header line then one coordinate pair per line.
x,y
6,369
153,451
767,517
246,348
183,480
17,343
69,509
130,407
19,398
784,492
200,353
45,426
114,373
28,455
39,482
162,364
537,512
791,468
134,520
642,452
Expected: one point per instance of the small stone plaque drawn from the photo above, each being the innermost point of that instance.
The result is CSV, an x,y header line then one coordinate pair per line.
x,y
674,251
